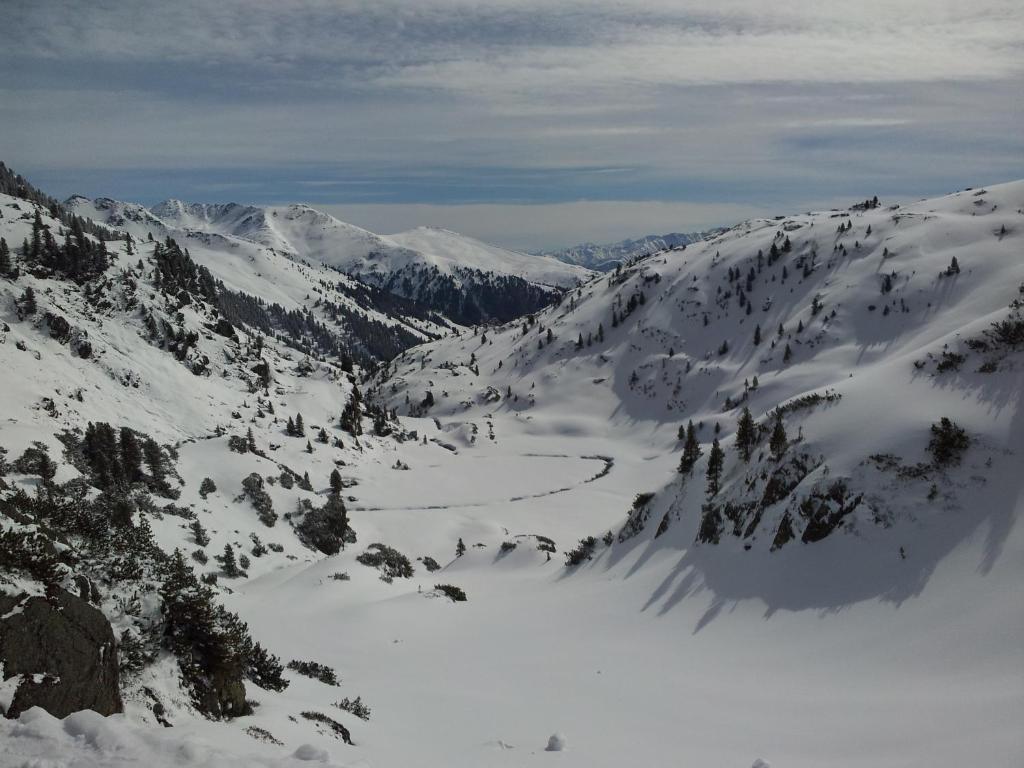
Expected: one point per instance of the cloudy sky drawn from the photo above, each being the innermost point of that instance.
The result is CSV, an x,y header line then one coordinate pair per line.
x,y
532,123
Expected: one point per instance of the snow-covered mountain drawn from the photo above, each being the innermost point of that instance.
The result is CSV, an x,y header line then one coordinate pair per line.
x,y
462,278
847,596
607,256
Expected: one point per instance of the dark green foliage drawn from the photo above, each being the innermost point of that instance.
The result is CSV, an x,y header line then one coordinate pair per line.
x,y
228,563
354,707
326,528
199,533
948,442
691,450
206,487
335,481
583,551
27,302
265,669
352,414
314,670
456,594
252,486
339,730
746,434
213,646
779,441
716,462
36,461
392,563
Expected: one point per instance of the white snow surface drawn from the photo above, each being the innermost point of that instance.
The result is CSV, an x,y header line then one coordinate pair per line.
x,y
846,652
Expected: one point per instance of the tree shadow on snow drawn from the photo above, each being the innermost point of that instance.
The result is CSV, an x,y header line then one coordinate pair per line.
x,y
848,567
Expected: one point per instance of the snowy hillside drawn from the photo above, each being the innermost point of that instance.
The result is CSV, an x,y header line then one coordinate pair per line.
x,y
846,595
605,257
462,278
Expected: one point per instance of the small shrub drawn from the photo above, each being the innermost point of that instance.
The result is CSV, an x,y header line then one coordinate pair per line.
x,y
200,557
583,551
392,562
315,671
948,442
431,564
508,546
355,707
339,730
456,594
207,487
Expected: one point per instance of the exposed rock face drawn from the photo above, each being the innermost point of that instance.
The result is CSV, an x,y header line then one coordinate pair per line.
x,y
65,652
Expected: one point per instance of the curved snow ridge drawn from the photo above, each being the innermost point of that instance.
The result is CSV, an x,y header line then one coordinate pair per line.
x,y
89,740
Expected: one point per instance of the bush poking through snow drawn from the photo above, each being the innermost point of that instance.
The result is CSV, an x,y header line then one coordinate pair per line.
x,y
315,670
583,551
430,564
253,488
339,730
456,594
355,707
207,487
556,743
390,562
948,443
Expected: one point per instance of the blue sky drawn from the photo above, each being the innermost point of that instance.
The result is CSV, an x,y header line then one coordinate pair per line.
x,y
532,124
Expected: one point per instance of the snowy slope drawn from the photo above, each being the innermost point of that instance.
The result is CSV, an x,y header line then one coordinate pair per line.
x,y
605,257
304,232
449,250
892,641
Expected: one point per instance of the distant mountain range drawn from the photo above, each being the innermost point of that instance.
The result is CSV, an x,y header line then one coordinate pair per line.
x,y
607,256
461,278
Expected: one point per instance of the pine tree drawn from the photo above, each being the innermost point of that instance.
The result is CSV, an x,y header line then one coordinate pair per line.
x,y
778,442
716,461
691,450
757,335
300,428
5,258
335,482
28,301
228,562
131,456
154,457
787,355
290,428
460,548
250,441
746,434
199,532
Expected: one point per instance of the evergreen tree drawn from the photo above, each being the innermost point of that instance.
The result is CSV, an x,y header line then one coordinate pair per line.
x,y
778,441
154,456
300,428
131,456
746,434
757,335
290,428
199,533
250,441
28,301
787,355
335,482
5,258
228,562
716,462
460,548
691,450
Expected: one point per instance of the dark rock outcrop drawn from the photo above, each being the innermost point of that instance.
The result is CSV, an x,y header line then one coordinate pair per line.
x,y
64,651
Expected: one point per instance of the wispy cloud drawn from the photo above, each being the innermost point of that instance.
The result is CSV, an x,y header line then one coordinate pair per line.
x,y
511,101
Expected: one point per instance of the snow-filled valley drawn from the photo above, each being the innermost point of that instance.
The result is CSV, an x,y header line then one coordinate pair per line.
x,y
844,590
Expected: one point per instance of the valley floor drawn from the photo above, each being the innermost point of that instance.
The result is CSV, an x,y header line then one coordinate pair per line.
x,y
643,658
